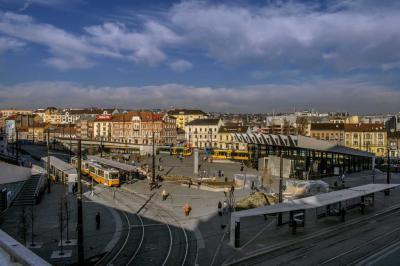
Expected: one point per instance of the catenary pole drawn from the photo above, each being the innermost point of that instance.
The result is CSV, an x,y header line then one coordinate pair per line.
x,y
81,256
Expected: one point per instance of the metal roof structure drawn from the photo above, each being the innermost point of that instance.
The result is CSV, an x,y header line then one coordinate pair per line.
x,y
61,165
115,164
316,201
301,142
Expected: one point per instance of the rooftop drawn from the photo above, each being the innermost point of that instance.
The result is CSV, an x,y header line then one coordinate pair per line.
x,y
327,126
186,112
377,127
203,122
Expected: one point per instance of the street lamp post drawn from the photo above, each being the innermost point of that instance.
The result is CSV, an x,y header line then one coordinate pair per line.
x,y
48,161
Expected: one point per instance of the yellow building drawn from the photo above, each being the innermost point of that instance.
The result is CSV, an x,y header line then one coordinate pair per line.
x,y
52,116
367,137
184,116
225,139
37,132
333,132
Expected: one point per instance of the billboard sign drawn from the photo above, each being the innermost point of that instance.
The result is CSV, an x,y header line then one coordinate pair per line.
x,y
103,117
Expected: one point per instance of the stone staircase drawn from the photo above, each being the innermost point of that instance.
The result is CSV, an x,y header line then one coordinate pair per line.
x,y
27,195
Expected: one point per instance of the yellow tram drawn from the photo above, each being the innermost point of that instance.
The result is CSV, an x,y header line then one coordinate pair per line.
x,y
102,174
185,151
236,155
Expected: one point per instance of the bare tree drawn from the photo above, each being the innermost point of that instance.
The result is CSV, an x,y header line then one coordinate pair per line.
x,y
67,212
23,225
302,124
61,225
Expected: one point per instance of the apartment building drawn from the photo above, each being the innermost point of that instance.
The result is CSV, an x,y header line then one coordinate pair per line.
x,y
203,133
102,127
394,143
333,132
126,128
84,127
225,139
139,127
367,137
73,115
184,116
52,116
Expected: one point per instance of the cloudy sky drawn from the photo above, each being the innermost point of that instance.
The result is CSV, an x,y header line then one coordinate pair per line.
x,y
238,56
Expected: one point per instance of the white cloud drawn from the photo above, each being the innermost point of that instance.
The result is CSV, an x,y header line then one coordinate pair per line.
x,y
348,35
352,95
7,44
180,65
141,46
354,35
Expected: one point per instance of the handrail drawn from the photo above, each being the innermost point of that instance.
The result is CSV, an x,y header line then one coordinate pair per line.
x,y
19,252
39,185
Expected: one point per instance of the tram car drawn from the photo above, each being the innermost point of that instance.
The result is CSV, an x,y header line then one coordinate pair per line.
x,y
100,173
235,155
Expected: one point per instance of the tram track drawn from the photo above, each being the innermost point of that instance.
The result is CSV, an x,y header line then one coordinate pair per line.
x,y
158,226
177,234
127,249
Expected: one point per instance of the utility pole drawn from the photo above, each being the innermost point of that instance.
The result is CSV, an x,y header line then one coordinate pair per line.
x,y
153,175
81,256
33,136
70,142
48,161
16,143
101,147
32,234
280,187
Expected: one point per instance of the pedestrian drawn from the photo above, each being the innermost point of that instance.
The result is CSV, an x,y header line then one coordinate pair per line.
x,y
362,207
219,208
187,209
219,173
98,220
164,194
225,207
343,214
222,173
241,168
342,177
190,183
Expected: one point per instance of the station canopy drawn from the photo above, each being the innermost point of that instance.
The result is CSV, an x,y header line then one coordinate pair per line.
x,y
316,201
300,142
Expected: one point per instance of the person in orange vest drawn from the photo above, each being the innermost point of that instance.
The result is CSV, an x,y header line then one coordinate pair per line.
x,y
186,209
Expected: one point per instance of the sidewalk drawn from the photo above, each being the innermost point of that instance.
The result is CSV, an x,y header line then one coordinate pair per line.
x,y
46,226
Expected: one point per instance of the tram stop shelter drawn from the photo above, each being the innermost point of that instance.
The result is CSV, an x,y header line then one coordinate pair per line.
x,y
326,204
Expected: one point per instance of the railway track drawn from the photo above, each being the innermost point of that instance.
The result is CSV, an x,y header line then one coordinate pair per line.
x,y
152,236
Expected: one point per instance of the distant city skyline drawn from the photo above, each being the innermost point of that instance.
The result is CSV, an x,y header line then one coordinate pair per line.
x,y
232,56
